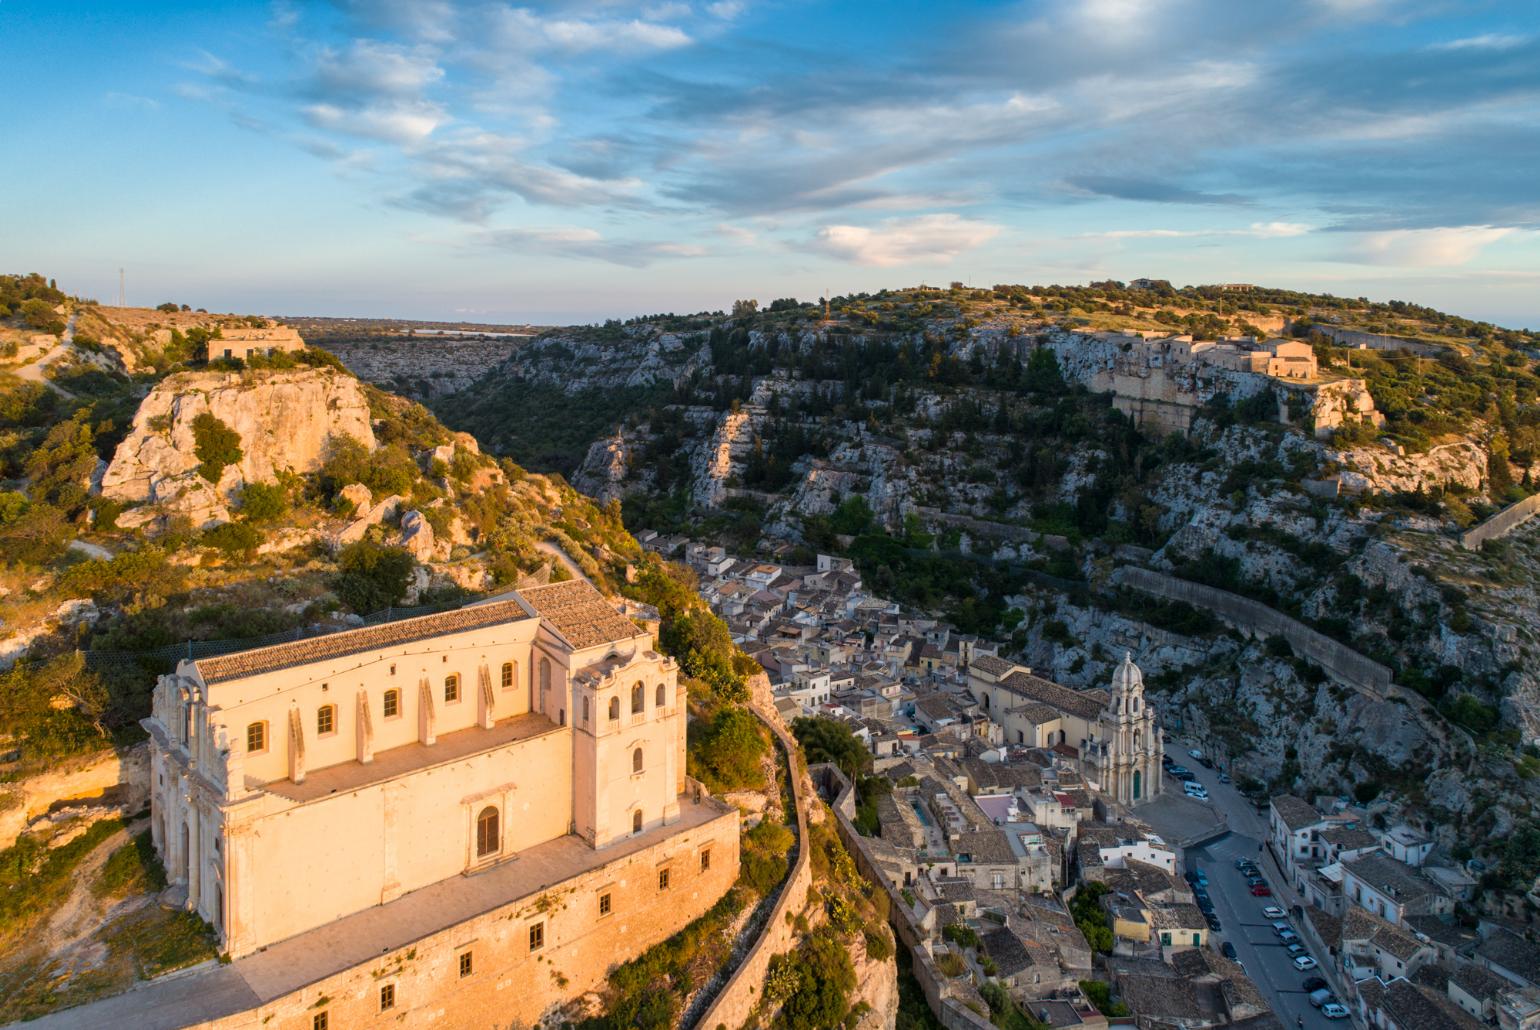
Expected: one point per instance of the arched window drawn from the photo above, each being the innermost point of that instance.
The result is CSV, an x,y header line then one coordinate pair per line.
x,y
638,700
662,696
585,711
636,821
488,840
452,687
614,708
326,720
256,738
636,760
508,675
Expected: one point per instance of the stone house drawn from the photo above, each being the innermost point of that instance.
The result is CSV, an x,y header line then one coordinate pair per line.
x,y
1389,889
241,342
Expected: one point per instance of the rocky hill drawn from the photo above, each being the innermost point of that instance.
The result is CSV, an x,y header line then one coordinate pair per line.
x,y
1000,455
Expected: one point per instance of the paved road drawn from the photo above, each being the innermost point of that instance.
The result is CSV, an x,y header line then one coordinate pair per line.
x,y
1240,914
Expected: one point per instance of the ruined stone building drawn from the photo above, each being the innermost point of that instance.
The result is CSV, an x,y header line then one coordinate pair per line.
x,y
480,791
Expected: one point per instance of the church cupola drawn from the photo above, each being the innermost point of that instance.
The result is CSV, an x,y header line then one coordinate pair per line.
x,y
1127,686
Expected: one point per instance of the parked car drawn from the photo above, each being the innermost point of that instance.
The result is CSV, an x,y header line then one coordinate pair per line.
x,y
1228,951
1194,753
1293,947
1313,983
1212,920
1179,771
1252,881
1320,996
1206,763
1304,962
1280,927
1336,1010
1273,912
1261,890
1288,937
1249,870
1242,863
1224,777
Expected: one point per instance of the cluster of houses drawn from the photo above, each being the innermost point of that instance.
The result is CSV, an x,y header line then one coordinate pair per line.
x,y
1005,796
1390,913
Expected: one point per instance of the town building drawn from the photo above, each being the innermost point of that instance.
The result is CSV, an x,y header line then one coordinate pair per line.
x,y
241,342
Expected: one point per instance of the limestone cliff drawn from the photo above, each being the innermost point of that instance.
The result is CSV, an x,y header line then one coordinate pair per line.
x,y
285,421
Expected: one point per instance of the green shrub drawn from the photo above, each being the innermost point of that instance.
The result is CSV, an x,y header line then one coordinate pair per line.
x,y
236,539
373,576
216,445
263,502
726,752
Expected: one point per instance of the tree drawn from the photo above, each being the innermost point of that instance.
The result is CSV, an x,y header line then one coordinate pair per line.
x,y
216,445
744,307
829,740
373,576
39,314
168,307
263,502
728,750
60,468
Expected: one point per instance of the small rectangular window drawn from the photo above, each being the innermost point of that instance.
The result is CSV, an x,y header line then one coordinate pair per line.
x,y
465,963
320,1021
536,936
392,703
387,997
392,669
662,879
326,720
256,737
452,687
705,860
604,904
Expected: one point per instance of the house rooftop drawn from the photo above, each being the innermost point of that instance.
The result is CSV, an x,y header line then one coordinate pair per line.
x,y
1295,812
579,613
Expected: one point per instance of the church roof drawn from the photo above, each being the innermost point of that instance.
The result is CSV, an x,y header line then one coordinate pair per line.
x,y
1085,704
356,641
579,613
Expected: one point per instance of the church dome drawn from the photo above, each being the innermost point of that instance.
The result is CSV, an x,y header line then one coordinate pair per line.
x,y
1127,679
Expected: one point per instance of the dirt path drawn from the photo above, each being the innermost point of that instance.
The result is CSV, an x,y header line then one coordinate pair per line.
x,y
37,371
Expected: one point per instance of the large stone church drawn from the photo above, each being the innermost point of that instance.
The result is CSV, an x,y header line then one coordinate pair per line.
x,y
1113,733
406,819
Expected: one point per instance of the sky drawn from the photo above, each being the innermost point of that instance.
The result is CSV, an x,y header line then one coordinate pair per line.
x,y
559,163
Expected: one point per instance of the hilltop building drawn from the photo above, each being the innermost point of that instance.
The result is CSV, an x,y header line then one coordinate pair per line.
x,y
486,759
243,341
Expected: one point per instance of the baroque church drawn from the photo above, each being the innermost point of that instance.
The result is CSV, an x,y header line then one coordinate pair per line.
x,y
399,821
1114,734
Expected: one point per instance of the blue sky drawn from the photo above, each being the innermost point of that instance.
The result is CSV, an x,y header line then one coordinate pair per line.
x,y
570,162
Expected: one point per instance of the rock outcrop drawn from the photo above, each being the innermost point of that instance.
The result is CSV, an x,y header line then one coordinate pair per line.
x,y
285,421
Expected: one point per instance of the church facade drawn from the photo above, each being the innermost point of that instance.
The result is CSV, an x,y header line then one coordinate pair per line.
x,y
1113,733
478,757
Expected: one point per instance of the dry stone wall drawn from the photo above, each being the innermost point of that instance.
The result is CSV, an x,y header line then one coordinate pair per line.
x,y
1501,524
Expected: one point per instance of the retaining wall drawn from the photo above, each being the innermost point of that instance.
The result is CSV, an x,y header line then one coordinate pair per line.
x,y
738,997
1242,612
953,1014
1501,524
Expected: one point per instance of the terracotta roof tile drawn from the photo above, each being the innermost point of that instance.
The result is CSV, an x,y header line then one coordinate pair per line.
x,y
355,641
579,613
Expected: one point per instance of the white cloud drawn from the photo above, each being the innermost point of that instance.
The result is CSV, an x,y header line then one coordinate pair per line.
x,y
737,233
402,124
1425,248
906,241
727,10
129,101
1485,41
1257,230
371,68
523,29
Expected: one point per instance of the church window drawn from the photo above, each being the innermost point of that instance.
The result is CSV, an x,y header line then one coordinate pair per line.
x,y
326,720
636,760
488,840
636,821
705,860
604,904
536,936
545,680
467,963
638,700
508,675
585,711
392,703
387,997
256,738
322,1019
662,879
662,696
614,708
452,687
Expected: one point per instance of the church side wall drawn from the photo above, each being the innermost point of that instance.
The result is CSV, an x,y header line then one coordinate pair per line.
x,y
510,985
309,864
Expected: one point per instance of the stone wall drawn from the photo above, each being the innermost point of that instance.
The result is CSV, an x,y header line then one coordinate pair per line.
x,y
952,1013
741,993
1253,616
508,983
1379,341
1501,524
114,783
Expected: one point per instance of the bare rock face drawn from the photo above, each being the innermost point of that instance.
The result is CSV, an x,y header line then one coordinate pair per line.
x,y
285,421
1377,469
417,536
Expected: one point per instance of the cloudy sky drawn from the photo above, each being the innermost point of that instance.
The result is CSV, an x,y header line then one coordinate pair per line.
x,y
569,162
